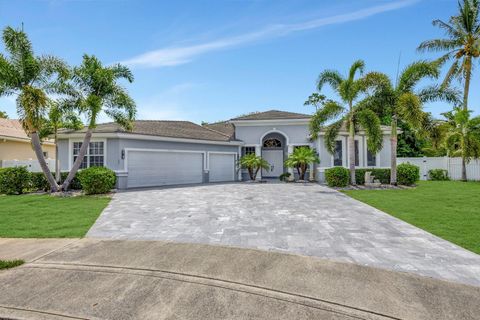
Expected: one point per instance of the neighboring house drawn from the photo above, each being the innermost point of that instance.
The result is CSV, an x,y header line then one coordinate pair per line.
x,y
15,145
160,153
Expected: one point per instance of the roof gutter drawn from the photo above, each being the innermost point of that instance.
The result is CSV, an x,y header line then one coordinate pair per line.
x,y
136,136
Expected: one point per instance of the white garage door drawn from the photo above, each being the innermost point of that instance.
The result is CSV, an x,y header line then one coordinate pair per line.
x,y
222,167
158,168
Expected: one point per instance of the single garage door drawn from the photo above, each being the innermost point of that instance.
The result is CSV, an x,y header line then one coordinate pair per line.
x,y
222,167
159,168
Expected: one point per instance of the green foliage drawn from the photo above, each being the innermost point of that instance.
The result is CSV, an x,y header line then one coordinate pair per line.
x,y
337,177
97,180
285,176
74,184
253,164
407,174
381,174
300,159
438,175
15,180
3,115
7,264
39,182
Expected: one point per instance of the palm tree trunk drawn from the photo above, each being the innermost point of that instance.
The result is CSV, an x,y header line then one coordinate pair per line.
x,y
468,75
57,161
37,147
464,168
393,152
78,161
351,152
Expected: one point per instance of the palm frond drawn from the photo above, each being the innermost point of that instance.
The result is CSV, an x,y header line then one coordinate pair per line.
x,y
370,122
122,72
414,73
409,108
437,45
438,93
331,133
357,66
329,111
331,77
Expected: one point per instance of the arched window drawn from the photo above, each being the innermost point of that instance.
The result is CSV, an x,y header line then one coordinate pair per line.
x,y
272,143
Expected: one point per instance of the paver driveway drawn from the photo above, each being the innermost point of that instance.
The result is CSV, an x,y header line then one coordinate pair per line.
x,y
305,219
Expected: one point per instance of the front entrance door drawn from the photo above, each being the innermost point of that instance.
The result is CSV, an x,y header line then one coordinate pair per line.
x,y
275,159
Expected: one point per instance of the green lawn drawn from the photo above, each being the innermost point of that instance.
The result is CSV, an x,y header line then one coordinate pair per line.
x,y
44,216
450,209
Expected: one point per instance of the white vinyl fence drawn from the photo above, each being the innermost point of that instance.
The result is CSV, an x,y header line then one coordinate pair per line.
x,y
452,165
32,165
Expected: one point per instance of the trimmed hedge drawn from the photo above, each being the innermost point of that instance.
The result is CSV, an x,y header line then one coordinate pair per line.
x,y
15,180
381,174
75,183
438,175
407,174
97,180
337,177
40,183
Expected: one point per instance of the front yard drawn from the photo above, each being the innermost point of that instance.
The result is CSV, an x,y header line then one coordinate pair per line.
x,y
44,216
449,209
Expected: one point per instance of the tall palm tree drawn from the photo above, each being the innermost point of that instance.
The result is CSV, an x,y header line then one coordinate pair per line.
x,y
32,78
404,102
461,44
95,89
59,118
350,112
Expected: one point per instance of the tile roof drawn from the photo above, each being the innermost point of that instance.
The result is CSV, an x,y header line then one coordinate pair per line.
x,y
162,128
273,115
223,127
12,128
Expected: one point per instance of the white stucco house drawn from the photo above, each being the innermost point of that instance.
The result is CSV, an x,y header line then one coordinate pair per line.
x,y
157,153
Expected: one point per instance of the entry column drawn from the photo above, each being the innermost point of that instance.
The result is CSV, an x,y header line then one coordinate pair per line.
x,y
290,170
258,153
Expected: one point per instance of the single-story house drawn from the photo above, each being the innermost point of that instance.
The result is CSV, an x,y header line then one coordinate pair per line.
x,y
15,145
157,153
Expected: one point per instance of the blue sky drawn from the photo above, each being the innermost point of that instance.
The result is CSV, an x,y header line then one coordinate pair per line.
x,y
212,60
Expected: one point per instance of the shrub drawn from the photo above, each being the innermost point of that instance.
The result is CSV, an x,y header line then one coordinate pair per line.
x,y
96,180
438,175
407,174
74,184
15,180
381,174
337,177
39,182
285,176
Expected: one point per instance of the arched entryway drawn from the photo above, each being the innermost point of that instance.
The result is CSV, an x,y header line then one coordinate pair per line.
x,y
274,147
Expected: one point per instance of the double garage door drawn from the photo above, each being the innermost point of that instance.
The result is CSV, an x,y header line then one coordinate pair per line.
x,y
161,168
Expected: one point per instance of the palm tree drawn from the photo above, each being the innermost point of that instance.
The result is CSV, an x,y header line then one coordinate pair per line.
x,y
350,112
462,136
461,44
32,78
59,118
300,159
402,102
94,89
253,164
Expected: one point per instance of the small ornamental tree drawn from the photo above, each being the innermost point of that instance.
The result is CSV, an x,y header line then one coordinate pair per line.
x,y
300,159
253,164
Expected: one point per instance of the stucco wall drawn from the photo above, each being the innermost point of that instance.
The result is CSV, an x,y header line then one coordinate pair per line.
x,y
16,150
252,135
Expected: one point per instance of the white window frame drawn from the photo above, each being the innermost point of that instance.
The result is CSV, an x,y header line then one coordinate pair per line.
x,y
247,146
377,155
70,150
344,153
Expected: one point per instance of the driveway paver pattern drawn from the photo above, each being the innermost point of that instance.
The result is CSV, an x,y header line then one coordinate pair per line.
x,y
306,219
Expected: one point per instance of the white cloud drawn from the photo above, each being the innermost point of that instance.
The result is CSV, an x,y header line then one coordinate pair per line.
x,y
172,56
